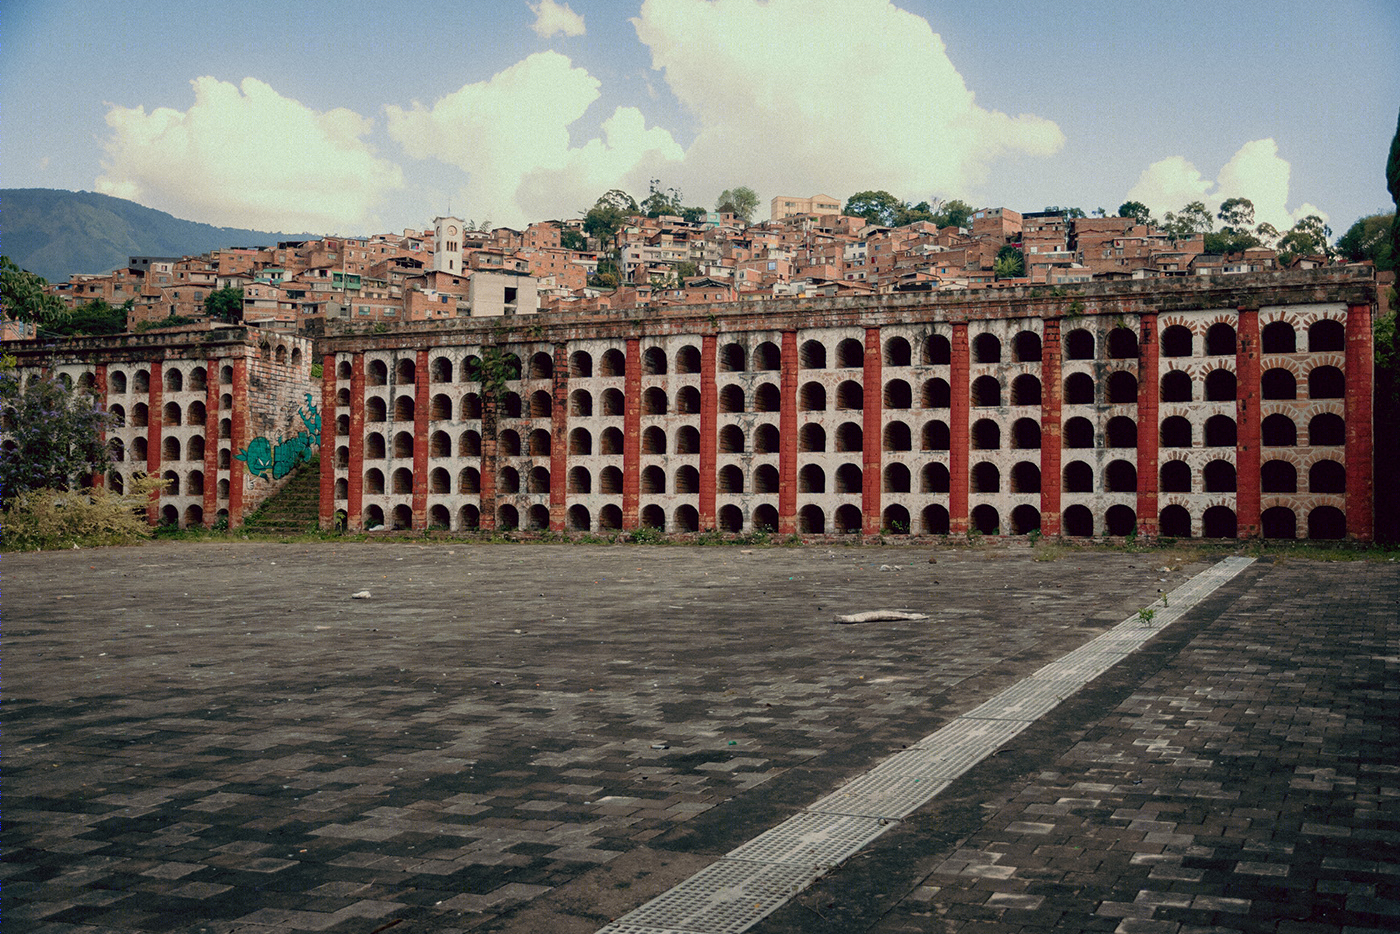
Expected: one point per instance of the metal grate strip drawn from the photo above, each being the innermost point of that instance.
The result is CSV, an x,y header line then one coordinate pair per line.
x,y
724,898
815,840
756,878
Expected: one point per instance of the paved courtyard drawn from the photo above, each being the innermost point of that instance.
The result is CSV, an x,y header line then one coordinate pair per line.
x,y
218,738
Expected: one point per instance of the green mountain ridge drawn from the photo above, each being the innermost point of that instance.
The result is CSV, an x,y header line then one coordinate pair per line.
x,y
57,234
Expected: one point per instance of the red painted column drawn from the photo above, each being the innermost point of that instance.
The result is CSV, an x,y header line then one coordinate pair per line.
x,y
632,434
787,431
1247,436
155,420
422,409
238,442
490,406
1149,387
355,480
1357,410
99,385
872,429
328,424
211,442
1051,417
559,446
709,428
958,442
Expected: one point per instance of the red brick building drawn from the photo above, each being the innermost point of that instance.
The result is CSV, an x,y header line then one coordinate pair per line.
x,y
1223,407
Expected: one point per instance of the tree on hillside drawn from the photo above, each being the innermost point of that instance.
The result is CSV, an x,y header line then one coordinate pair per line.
x,y
572,240
741,202
22,294
1069,213
1309,237
53,435
1009,264
1235,235
878,207
1237,213
96,317
608,214
224,305
1369,239
661,200
1138,211
1191,220
954,213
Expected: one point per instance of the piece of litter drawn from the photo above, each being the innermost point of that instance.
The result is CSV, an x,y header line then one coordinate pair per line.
x,y
877,616
362,595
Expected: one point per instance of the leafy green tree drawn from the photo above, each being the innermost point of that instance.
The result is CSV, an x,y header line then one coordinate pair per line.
x,y
1237,213
878,207
1069,213
617,198
1139,212
694,214
52,435
1235,235
1392,184
741,202
572,240
22,294
661,200
1267,233
913,214
1369,239
224,304
1010,263
96,317
954,213
607,275
1309,237
1191,220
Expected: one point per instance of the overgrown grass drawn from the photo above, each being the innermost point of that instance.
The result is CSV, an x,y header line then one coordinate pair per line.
x,y
43,520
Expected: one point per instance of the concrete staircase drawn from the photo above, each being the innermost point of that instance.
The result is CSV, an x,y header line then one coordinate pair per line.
x,y
292,510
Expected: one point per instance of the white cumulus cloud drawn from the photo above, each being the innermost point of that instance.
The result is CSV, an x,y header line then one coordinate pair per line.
x,y
510,134
1256,171
802,96
244,155
555,18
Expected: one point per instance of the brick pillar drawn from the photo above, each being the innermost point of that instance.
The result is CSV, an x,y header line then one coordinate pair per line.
x,y
1149,388
99,385
1247,435
238,442
1357,410
958,385
1051,416
632,434
709,430
787,445
422,410
155,420
872,430
211,442
559,446
487,498
355,480
328,420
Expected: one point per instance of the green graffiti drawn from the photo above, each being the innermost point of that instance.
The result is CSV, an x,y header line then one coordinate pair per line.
x,y
275,461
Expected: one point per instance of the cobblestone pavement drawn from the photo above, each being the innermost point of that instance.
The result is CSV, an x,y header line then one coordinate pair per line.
x,y
211,738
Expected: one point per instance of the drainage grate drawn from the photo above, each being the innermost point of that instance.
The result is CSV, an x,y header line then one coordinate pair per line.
x,y
723,898
814,840
881,793
758,877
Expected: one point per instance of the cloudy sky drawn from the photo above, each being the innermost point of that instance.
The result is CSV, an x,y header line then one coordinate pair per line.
x,y
359,117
